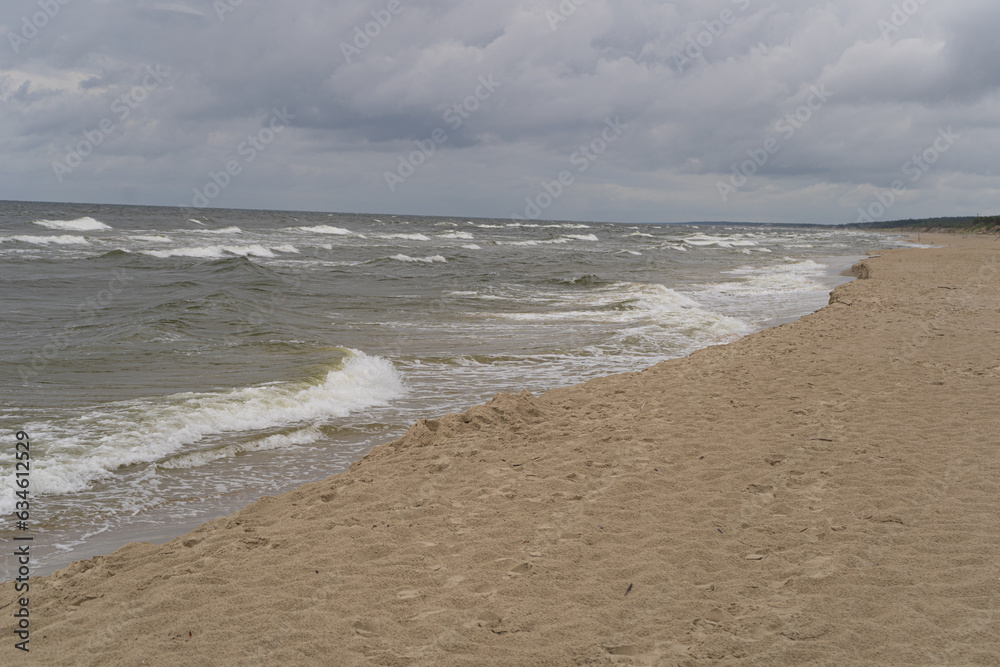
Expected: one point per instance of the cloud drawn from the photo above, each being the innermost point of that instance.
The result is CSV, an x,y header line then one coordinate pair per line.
x,y
699,83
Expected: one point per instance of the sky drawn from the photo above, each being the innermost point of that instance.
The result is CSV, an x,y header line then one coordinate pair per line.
x,y
603,110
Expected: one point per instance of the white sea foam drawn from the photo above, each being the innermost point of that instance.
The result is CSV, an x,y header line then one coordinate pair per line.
x,y
731,241
637,304
222,230
805,267
78,225
583,237
151,239
793,276
64,239
151,430
703,240
471,246
211,252
425,260
305,436
327,229
405,237
220,251
535,242
456,235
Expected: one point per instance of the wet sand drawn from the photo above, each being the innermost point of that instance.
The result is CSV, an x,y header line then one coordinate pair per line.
x,y
823,492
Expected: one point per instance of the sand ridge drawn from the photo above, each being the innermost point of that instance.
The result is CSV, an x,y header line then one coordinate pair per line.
x,y
824,492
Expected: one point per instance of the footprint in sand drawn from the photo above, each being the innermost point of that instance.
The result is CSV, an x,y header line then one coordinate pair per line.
x,y
820,567
365,628
486,619
485,590
408,594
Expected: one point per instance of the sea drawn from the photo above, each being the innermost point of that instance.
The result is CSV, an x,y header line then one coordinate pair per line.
x,y
172,365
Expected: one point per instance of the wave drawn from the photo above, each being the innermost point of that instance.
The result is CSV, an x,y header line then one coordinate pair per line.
x,y
805,267
327,229
531,225
721,241
78,225
425,260
65,239
305,436
793,276
582,237
457,235
221,230
588,280
634,304
405,237
220,251
151,239
534,242
148,431
112,254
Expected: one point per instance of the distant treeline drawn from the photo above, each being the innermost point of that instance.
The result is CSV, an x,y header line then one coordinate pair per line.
x,y
973,225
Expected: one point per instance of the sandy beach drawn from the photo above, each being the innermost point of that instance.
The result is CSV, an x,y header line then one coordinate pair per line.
x,y
823,492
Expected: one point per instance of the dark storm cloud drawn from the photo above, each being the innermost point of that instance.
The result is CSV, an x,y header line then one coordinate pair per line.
x,y
701,86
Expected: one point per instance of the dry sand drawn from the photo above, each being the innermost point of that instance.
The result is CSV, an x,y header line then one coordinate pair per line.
x,y
825,492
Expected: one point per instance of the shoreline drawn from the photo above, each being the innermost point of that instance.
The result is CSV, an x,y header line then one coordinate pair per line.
x,y
820,491
160,531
